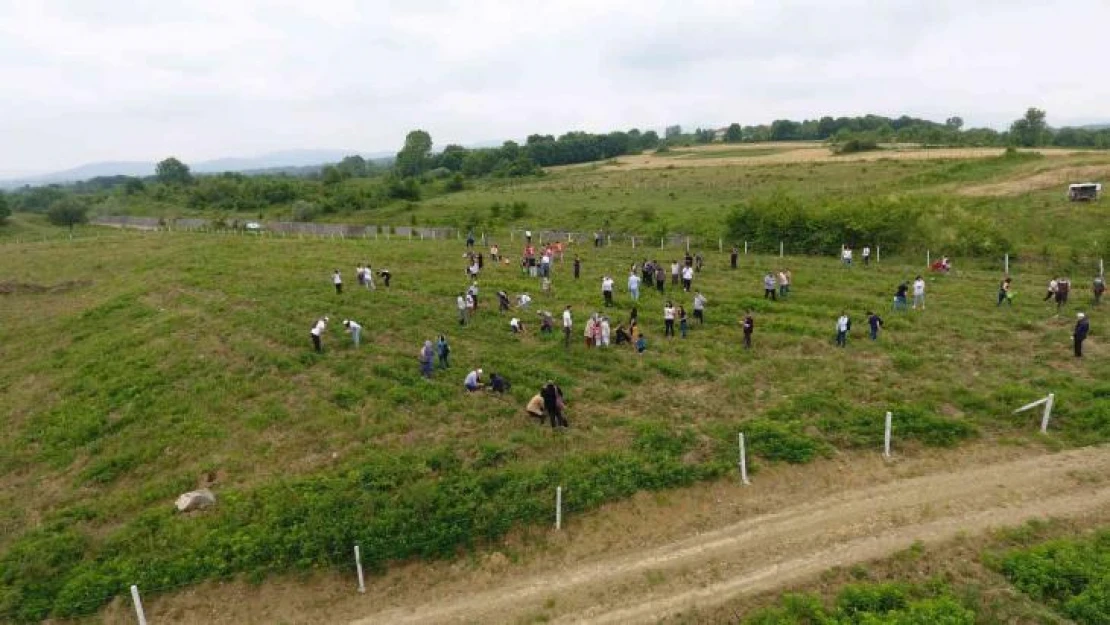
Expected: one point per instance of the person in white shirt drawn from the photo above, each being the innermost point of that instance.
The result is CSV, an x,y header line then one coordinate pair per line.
x,y
843,325
846,256
317,333
634,286
368,277
605,331
676,272
668,319
473,293
523,301
687,278
545,264
460,303
607,290
866,256
516,326
337,280
567,324
699,307
919,293
354,329
473,381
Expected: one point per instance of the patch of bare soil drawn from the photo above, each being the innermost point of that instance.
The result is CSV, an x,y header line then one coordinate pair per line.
x,y
21,288
656,554
1059,177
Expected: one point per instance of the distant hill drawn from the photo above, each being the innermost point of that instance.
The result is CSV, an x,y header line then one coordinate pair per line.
x,y
290,161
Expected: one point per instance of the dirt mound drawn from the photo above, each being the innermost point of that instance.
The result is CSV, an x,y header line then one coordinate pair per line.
x,y
22,288
1060,177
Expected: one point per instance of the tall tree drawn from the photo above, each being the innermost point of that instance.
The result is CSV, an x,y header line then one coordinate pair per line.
x,y
649,140
673,131
734,134
353,166
1031,130
68,211
414,158
173,171
954,123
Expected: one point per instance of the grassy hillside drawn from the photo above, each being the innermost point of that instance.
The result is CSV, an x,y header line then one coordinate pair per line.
x,y
167,361
137,366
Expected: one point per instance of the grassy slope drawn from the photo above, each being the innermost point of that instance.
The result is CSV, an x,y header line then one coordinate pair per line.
x,y
187,356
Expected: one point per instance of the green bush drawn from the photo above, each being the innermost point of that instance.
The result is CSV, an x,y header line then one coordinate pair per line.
x,y
1070,575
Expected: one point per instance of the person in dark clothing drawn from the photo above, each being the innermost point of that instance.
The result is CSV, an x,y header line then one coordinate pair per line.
x,y
699,262
1098,287
689,260
502,301
622,335
577,266
481,261
498,384
633,316
875,322
553,403
1082,328
900,296
444,351
660,277
1005,294
749,328
1063,286
385,276
733,256
470,239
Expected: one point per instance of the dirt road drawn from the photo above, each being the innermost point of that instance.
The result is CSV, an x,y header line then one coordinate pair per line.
x,y
778,548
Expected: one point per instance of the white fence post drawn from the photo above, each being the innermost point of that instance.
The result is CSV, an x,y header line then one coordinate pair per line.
x,y
720,246
743,461
928,258
660,242
886,436
878,253
687,245
1047,412
781,249
1101,270
138,604
358,566
745,248
558,507
633,242
1006,271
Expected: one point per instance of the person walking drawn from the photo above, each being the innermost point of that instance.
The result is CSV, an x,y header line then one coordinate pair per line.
x,y
386,276
900,297
470,303
588,331
554,404
733,256
668,319
866,256
607,290
846,256
1098,287
337,280
444,351
682,321
503,303
473,293
354,329
660,277
427,358
1005,294
368,277
567,324
687,278
784,283
317,334
769,287
460,304
634,286
843,325
919,293
1063,288
470,239
1051,293
699,307
1082,328
875,322
577,266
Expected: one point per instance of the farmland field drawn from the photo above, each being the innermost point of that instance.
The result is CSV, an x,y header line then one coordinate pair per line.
x,y
140,365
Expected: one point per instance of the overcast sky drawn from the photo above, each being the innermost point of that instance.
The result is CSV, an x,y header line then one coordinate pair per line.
x,y
94,80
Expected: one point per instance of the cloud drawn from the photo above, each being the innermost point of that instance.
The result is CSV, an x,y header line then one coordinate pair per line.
x,y
89,80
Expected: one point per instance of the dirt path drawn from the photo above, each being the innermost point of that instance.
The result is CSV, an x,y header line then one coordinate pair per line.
x,y
777,548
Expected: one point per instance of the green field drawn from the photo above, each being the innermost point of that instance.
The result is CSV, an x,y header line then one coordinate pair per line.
x,y
137,366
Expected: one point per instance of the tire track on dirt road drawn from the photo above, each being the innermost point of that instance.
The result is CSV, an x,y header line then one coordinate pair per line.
x,y
766,552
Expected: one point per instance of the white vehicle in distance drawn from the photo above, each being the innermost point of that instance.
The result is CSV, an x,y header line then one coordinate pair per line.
x,y
253,226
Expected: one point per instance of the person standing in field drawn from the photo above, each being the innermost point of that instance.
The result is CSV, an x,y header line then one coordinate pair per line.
x,y
660,277
444,352
919,293
687,278
866,256
682,321
1063,288
846,256
784,283
460,304
317,334
577,266
676,273
1005,294
337,280
607,290
427,358
568,323
360,275
385,276
554,404
503,303
875,322
843,325
668,319
1098,287
900,296
733,256
495,253
634,286
633,315
769,287
699,262
699,307
1082,328
606,331
368,274
1051,293
473,293
749,328
354,329
588,331
470,239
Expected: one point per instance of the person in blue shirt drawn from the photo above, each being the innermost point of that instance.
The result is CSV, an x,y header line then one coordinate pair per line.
x,y
875,322
1082,328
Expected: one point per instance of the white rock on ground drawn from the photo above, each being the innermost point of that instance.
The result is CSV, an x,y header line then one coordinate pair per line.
x,y
195,500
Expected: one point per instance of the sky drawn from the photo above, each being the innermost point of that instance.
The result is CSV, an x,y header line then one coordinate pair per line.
x,y
105,80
